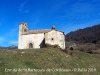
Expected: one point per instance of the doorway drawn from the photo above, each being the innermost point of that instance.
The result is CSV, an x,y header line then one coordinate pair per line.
x,y
30,46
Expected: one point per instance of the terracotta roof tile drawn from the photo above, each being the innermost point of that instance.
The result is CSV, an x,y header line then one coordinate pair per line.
x,y
36,31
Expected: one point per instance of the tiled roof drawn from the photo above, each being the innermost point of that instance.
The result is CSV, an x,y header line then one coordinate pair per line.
x,y
36,31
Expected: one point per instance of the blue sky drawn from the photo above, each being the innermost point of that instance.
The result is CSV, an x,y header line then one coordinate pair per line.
x,y
66,15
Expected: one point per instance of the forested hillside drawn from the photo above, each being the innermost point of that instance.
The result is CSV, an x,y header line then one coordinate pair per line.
x,y
86,35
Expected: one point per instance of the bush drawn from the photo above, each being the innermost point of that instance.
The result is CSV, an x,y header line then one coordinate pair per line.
x,y
71,48
54,46
73,54
87,47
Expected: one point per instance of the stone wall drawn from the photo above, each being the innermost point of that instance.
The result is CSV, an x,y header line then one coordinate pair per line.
x,y
36,39
55,37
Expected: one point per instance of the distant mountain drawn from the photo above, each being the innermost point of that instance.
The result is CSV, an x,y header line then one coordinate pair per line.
x,y
86,35
9,47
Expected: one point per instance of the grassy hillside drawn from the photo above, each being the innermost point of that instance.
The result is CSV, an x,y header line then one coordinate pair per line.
x,y
48,61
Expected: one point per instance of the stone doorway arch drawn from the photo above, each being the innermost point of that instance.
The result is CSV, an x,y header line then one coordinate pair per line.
x,y
30,46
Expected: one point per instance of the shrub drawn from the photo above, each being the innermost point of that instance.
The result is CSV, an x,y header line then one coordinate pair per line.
x,y
54,46
71,48
72,54
66,51
87,47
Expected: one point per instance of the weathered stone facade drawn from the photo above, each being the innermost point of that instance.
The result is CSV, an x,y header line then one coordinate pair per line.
x,y
38,38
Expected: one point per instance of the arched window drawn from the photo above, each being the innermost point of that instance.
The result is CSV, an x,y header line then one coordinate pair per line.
x,y
30,46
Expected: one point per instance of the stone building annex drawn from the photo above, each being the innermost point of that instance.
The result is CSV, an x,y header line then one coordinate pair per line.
x,y
29,39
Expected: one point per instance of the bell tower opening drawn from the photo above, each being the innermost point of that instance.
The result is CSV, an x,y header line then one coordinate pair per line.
x,y
23,27
25,30
30,46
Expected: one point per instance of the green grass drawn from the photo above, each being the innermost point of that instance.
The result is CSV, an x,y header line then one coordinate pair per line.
x,y
48,61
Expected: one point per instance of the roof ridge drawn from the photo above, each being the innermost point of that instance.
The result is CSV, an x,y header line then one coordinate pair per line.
x,y
36,31
39,29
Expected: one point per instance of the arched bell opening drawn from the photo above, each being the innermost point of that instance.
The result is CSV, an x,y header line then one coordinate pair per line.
x,y
25,30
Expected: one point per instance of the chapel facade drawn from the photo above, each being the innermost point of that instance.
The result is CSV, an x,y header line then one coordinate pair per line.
x,y
30,39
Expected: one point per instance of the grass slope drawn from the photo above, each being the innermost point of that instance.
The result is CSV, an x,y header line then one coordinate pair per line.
x,y
48,61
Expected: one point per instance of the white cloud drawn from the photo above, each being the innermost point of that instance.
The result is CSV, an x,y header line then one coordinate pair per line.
x,y
23,8
82,7
7,39
27,11
2,39
12,33
13,42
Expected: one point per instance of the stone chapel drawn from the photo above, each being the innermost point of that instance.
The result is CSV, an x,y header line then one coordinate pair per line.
x,y
30,39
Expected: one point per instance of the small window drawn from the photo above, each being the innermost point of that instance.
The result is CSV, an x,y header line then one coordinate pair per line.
x,y
52,39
